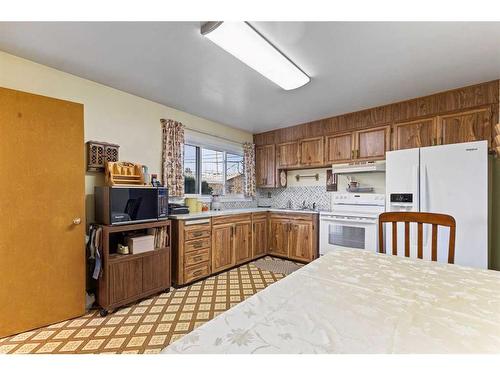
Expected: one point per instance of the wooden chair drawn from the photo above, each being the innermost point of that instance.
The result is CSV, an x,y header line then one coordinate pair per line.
x,y
420,218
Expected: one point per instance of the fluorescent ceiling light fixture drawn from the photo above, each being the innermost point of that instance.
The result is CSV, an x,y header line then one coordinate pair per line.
x,y
243,42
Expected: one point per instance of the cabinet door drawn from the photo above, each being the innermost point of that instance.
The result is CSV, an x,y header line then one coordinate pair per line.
x,y
339,148
156,270
259,238
278,241
311,151
371,144
242,242
222,247
125,280
287,155
265,166
420,133
465,126
301,241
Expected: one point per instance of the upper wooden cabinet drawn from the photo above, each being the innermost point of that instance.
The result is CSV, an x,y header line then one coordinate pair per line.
x,y
419,133
371,144
287,155
265,167
465,126
311,152
339,148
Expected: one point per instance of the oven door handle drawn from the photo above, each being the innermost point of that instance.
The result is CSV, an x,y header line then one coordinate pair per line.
x,y
362,221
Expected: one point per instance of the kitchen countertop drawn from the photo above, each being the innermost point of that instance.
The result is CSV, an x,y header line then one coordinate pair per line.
x,y
235,211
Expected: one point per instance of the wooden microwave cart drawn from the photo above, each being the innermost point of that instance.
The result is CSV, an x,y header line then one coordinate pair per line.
x,y
128,278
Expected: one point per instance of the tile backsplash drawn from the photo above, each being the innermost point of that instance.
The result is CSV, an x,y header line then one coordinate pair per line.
x,y
280,197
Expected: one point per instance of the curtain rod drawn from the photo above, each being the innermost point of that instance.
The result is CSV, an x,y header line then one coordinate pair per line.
x,y
211,135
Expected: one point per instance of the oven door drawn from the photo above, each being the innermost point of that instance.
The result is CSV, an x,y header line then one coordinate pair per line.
x,y
346,232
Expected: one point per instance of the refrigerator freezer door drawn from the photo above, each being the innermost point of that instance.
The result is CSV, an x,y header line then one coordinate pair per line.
x,y
402,177
454,181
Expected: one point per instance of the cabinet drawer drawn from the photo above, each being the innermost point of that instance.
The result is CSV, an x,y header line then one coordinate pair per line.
x,y
197,244
230,219
195,257
196,272
195,232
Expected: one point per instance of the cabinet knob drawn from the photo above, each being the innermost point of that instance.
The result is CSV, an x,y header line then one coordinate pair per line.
x,y
77,221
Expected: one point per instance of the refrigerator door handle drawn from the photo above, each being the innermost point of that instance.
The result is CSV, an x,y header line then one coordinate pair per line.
x,y
424,202
416,188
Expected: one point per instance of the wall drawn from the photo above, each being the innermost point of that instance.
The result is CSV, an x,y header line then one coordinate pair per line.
x,y
110,115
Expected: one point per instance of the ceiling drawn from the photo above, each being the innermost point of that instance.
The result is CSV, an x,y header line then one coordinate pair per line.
x,y
352,65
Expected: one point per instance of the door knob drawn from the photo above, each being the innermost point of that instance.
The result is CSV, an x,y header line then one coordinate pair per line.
x,y
77,220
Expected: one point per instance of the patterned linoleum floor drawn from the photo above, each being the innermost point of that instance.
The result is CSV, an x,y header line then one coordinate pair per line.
x,y
149,325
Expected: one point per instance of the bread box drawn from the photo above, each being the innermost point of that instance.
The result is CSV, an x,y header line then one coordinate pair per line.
x,y
141,244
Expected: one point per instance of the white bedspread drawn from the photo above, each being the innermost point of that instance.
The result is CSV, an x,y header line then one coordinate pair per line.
x,y
361,302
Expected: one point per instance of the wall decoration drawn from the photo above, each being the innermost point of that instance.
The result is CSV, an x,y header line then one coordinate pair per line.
x,y
331,180
99,153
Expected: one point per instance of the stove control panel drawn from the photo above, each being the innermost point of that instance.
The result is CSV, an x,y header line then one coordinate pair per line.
x,y
359,199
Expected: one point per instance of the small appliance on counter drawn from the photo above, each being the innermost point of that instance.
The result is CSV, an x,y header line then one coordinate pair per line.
x,y
216,203
125,205
177,209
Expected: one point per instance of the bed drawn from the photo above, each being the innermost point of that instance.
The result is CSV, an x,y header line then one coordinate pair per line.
x,y
361,302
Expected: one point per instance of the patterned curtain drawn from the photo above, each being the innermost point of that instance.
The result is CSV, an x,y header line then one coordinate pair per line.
x,y
249,168
173,157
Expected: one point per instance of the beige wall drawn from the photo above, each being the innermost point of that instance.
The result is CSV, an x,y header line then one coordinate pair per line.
x,y
110,115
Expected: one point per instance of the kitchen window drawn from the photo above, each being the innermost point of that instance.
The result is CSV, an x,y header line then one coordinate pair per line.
x,y
208,172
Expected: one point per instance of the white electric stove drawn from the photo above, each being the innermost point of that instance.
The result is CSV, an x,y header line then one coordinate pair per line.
x,y
352,223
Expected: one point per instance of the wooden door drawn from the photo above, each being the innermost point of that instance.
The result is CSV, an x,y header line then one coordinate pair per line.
x,y
242,242
259,238
371,144
311,152
301,241
278,241
339,148
42,194
287,155
265,166
125,280
420,133
465,126
156,270
222,247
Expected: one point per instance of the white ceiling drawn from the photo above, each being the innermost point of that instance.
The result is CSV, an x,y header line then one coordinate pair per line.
x,y
352,65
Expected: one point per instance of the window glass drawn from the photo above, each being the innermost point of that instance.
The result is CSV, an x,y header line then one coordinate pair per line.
x,y
235,180
191,185
212,172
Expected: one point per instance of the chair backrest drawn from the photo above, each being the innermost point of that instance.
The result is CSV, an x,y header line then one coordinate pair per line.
x,y
420,218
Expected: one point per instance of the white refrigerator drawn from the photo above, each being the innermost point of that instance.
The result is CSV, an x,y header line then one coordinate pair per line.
x,y
450,179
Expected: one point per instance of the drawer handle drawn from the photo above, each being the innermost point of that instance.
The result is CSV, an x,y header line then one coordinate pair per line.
x,y
197,234
199,257
197,245
196,273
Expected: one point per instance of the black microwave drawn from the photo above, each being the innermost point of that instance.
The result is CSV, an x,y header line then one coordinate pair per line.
x,y
124,205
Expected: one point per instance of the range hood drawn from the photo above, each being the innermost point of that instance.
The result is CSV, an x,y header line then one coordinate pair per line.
x,y
359,168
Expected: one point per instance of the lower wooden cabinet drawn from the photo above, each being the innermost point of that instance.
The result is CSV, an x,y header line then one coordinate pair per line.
x,y
155,270
278,241
301,246
223,242
192,256
294,236
242,242
125,280
259,235
222,247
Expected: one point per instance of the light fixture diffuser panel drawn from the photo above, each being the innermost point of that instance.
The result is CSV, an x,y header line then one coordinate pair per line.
x,y
244,43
